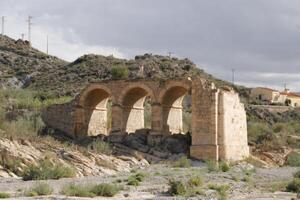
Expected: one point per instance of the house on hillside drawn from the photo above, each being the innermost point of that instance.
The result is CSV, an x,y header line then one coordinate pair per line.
x,y
267,94
292,99
272,96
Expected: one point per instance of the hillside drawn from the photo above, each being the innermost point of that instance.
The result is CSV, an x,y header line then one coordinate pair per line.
x,y
22,66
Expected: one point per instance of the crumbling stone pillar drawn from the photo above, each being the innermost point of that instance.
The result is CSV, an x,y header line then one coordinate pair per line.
x,y
156,132
116,117
204,121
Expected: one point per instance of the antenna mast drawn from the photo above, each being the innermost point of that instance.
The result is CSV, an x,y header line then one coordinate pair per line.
x,y
3,20
29,28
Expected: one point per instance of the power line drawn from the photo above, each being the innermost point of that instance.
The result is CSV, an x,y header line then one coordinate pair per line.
x,y
3,20
29,28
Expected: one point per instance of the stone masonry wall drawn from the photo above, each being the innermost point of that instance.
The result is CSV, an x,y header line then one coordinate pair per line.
x,y
60,117
232,135
219,129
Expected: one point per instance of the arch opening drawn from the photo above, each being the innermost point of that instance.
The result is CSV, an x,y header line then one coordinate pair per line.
x,y
96,112
136,110
176,110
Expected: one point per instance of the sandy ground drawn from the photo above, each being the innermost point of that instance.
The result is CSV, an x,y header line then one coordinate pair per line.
x,y
259,185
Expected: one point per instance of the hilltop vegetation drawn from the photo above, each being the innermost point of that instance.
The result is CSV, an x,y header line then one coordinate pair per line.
x,y
22,66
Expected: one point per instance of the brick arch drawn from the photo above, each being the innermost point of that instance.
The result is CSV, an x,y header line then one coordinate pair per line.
x,y
132,100
90,88
92,111
171,100
131,86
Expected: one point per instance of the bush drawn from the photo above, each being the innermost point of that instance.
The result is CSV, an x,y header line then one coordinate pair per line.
x,y
221,189
297,174
47,170
212,165
100,146
294,186
77,191
257,131
4,195
293,160
105,190
119,72
224,167
39,189
195,181
136,179
176,188
183,162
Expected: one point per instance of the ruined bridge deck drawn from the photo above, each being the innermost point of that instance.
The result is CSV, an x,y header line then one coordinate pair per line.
x,y
218,124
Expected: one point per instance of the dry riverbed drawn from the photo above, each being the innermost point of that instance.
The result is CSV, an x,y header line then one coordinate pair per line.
x,y
243,182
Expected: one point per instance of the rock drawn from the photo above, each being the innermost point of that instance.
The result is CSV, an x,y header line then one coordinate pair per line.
x,y
257,162
177,143
137,141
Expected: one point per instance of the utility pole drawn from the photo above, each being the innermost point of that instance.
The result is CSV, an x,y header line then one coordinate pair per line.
x,y
29,28
170,54
233,75
3,20
47,45
22,36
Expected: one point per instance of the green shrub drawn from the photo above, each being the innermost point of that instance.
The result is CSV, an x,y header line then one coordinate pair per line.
x,y
195,181
294,186
293,160
224,167
183,162
177,188
257,131
4,195
212,165
40,189
136,179
100,146
47,170
133,181
278,127
105,190
221,189
77,190
119,72
297,174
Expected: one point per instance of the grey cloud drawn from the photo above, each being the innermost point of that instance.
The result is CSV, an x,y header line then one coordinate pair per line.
x,y
255,36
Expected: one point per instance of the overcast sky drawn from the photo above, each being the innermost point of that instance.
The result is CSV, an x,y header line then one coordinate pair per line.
x,y
260,39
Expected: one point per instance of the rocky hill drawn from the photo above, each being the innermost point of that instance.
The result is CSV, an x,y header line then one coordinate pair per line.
x,y
22,66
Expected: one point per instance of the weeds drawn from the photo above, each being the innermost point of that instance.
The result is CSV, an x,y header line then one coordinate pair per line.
x,y
4,195
177,188
100,146
104,189
183,162
221,189
47,170
40,189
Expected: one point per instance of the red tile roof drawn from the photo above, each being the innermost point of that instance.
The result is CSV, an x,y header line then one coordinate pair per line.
x,y
265,88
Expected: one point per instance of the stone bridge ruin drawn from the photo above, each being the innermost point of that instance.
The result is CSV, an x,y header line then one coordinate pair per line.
x,y
218,122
